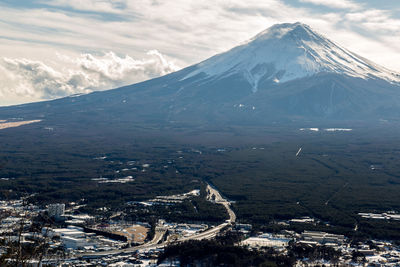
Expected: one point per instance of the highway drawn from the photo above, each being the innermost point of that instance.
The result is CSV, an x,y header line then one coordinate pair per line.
x,y
213,195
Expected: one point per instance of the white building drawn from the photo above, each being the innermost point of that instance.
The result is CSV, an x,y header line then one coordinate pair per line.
x,y
322,237
71,232
56,210
267,240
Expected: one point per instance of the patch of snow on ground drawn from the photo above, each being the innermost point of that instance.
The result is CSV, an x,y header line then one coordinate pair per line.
x,y
338,130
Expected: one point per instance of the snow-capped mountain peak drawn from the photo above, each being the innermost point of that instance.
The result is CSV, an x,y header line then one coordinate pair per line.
x,y
278,31
285,52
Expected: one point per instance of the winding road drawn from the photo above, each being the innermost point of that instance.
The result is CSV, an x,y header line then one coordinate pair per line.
x,y
213,195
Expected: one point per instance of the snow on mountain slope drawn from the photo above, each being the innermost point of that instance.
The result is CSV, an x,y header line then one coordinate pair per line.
x,y
285,52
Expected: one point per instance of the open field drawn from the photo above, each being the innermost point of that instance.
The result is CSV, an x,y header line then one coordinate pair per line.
x,y
134,233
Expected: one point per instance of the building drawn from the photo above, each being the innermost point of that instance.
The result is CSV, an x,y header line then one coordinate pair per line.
x,y
56,210
60,232
267,240
322,237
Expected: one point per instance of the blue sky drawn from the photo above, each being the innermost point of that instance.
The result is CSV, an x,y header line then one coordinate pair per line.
x,y
55,48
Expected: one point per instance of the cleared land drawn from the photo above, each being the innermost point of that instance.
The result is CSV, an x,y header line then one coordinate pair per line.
x,y
5,125
136,233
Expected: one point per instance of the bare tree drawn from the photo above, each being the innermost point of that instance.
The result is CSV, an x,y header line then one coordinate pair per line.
x,y
20,252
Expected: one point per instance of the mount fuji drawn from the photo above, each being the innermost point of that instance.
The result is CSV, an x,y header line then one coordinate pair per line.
x,y
287,52
286,73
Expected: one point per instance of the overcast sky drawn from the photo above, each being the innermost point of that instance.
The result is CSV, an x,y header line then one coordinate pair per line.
x,y
54,48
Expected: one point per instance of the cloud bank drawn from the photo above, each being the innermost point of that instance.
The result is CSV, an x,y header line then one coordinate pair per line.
x,y
345,4
29,80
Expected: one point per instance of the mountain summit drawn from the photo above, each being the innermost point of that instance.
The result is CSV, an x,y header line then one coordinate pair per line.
x,y
285,52
286,73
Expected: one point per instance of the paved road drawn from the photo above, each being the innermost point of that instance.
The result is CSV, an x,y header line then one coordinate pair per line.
x,y
212,195
212,232
152,244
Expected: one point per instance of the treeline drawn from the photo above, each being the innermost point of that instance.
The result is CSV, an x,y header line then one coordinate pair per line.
x,y
217,253
195,209
222,251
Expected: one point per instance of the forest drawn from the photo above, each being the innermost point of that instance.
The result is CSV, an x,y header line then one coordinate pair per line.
x,y
336,176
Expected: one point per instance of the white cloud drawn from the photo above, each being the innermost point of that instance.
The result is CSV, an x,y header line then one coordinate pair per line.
x,y
104,6
113,68
375,20
30,80
342,4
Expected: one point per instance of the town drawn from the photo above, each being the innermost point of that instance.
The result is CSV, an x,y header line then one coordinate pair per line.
x,y
56,235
